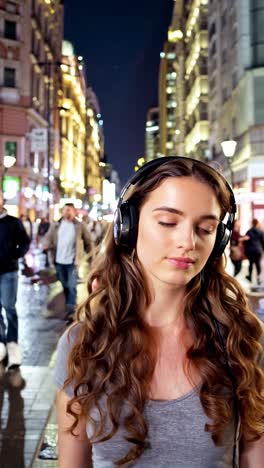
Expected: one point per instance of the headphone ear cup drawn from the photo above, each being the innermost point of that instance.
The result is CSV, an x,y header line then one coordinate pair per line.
x,y
126,226
117,226
222,238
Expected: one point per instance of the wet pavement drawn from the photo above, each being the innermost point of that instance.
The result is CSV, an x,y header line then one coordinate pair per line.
x,y
25,400
27,394
48,454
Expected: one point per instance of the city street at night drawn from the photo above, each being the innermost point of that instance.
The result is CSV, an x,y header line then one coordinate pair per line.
x,y
132,153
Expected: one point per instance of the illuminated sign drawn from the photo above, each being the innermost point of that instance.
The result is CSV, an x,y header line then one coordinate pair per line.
x,y
11,184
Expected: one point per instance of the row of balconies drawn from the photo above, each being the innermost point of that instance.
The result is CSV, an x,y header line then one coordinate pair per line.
x,y
199,114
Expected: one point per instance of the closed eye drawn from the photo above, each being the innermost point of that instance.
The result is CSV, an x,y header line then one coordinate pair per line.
x,y
166,224
205,231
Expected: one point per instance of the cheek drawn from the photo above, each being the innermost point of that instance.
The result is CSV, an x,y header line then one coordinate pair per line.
x,y
206,247
150,243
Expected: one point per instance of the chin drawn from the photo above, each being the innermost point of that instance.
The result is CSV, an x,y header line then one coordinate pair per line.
x,y
180,281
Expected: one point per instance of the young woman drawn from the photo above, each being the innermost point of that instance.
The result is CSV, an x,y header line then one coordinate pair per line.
x,y
165,364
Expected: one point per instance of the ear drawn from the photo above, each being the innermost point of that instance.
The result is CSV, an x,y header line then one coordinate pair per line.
x,y
95,284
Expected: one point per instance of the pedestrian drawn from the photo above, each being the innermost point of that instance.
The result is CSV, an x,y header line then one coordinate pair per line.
x,y
95,231
14,243
254,247
42,230
164,366
27,225
237,247
68,239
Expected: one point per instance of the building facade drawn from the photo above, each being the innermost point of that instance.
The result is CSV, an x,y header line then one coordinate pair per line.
x,y
167,100
95,147
183,90
152,135
30,44
73,120
82,145
195,76
236,107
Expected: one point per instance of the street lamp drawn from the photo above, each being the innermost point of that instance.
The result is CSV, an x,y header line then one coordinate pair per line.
x,y
9,161
229,148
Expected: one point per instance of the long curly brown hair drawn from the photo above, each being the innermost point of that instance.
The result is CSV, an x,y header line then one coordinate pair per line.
x,y
114,354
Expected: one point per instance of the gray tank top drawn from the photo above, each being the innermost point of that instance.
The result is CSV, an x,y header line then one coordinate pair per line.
x,y
176,439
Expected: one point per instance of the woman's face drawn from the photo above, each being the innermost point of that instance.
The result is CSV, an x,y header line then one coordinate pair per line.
x,y
177,230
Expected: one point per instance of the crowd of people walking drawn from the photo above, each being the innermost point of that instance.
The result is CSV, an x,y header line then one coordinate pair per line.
x,y
65,243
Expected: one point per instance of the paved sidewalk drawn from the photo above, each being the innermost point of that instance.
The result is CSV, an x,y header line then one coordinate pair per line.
x,y
254,291
26,397
27,394
47,454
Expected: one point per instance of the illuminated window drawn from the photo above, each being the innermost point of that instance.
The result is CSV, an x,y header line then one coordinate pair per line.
x,y
171,104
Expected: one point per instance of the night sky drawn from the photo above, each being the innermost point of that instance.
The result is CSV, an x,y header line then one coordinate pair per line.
x,y
120,41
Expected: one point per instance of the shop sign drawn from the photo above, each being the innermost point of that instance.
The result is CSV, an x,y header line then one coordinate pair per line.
x,y
39,139
11,186
250,197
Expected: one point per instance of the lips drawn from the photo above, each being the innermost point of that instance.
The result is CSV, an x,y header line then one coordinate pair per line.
x,y
181,259
182,263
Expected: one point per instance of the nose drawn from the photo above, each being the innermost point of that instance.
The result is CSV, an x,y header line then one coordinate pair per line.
x,y
186,238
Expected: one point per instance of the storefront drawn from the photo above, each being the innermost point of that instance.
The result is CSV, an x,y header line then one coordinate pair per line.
x,y
11,189
258,202
25,197
249,192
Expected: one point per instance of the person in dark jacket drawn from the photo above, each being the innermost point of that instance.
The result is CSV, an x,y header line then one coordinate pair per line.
x,y
254,247
14,243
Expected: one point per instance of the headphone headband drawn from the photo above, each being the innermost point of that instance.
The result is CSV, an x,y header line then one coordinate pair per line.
x,y
126,218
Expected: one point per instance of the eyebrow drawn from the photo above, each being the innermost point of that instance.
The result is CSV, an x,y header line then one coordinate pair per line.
x,y
168,209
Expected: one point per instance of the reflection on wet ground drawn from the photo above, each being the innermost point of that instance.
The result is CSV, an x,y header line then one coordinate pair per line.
x,y
12,421
25,401
27,395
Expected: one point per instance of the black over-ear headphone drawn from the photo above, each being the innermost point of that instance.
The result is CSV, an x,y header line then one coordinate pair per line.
x,y
126,216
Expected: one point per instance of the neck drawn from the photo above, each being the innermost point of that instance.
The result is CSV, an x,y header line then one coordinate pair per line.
x,y
1,209
166,309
